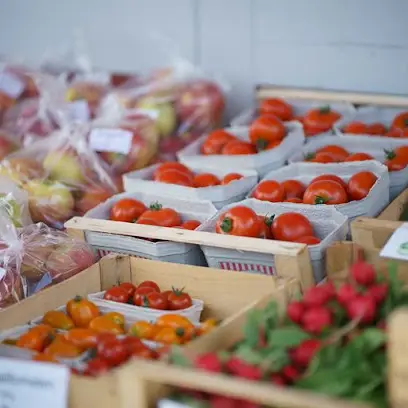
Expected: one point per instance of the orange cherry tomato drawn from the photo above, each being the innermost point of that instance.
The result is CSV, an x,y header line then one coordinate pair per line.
x,y
238,147
60,348
117,318
359,157
143,330
190,225
331,177
82,338
205,180
400,121
164,217
37,338
103,324
173,176
339,153
355,128
172,166
168,335
230,177
207,325
127,210
320,120
359,185
295,200
291,226
240,221
81,311
325,192
269,190
58,320
376,128
308,240
320,158
215,142
266,129
293,188
277,107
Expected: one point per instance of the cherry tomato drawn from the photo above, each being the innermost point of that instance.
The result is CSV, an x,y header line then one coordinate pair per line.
x,y
81,311
143,330
325,192
320,158
331,177
240,221
149,284
127,210
215,142
132,343
36,338
269,190
129,288
164,217
62,349
376,129
179,300
172,166
103,324
339,153
82,338
205,180
320,120
145,353
168,335
116,294
238,147
359,185
266,129
293,188
207,325
294,200
359,157
175,177
116,317
266,223
271,145
155,300
141,293
308,240
277,107
291,226
113,351
96,366
356,128
228,178
190,225
400,121
58,320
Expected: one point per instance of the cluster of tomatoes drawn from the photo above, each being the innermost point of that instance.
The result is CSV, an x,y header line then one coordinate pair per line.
x,y
397,128
395,160
243,221
177,173
324,189
132,210
148,294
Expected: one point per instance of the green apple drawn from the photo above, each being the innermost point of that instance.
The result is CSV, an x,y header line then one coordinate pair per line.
x,y
12,209
64,167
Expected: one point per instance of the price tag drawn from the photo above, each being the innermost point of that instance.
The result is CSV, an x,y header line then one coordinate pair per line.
x,y
397,246
78,111
26,383
111,140
166,403
11,85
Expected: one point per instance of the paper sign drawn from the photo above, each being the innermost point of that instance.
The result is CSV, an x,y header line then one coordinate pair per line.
x,y
397,246
11,84
78,111
166,403
111,140
32,384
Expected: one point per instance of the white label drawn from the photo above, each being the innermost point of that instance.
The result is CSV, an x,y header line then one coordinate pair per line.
x,y
11,84
28,383
111,140
397,246
78,111
166,403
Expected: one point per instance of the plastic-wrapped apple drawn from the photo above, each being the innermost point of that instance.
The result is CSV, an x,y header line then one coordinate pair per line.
x,y
6,145
88,91
21,169
68,259
200,103
36,253
64,166
11,287
12,208
94,195
50,202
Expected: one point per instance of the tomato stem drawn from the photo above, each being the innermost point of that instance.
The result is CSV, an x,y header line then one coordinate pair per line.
x,y
310,156
226,225
77,298
156,206
389,154
269,219
324,109
320,200
406,122
261,144
180,331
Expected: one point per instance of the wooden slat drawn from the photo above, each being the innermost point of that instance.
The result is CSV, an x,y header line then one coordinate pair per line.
x,y
394,210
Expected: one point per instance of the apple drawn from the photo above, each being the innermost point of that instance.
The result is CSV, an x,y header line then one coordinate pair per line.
x,y
6,146
49,202
200,103
68,259
94,195
64,166
36,253
11,286
21,169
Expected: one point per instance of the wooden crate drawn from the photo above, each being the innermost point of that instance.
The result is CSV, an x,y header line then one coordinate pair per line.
x,y
292,260
224,295
395,209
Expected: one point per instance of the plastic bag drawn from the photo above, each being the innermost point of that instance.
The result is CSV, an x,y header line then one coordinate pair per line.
x,y
8,143
61,174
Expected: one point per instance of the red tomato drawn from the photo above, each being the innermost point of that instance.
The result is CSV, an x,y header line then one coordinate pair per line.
x,y
320,158
240,221
400,121
355,128
172,166
149,284
359,157
376,129
339,153
179,300
266,222
127,210
132,344
96,366
129,287
396,163
359,185
395,132
271,145
331,177
205,180
291,226
308,240
164,217
325,192
156,300
320,120
140,295
116,294
266,129
113,351
294,200
401,151
174,177
269,190
293,188
215,141
277,107
237,147
228,178
190,225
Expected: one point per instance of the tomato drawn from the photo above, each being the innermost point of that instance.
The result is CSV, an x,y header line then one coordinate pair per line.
x,y
290,226
113,351
320,158
293,188
58,320
271,145
174,177
172,166
325,192
266,129
149,284
269,190
397,159
395,132
168,335
116,294
207,325
308,240
132,344
359,185
140,294
96,366
81,311
62,349
155,300
339,153
190,225
179,300
239,221
266,223
143,330
295,200
147,221
376,128
36,338
400,121
127,210
238,147
401,151
103,324
164,217
331,177
205,180
129,288
145,353
116,317
356,128
82,338
320,120
228,178
215,142
359,157
277,107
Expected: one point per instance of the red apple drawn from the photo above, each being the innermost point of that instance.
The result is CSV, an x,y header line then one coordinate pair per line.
x,y
6,146
37,251
11,287
94,195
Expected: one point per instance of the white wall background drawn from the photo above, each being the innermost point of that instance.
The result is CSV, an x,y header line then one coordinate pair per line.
x,y
338,44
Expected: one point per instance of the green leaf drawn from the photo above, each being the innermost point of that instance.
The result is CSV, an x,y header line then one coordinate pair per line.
x,y
177,358
248,354
369,340
287,337
252,326
275,359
